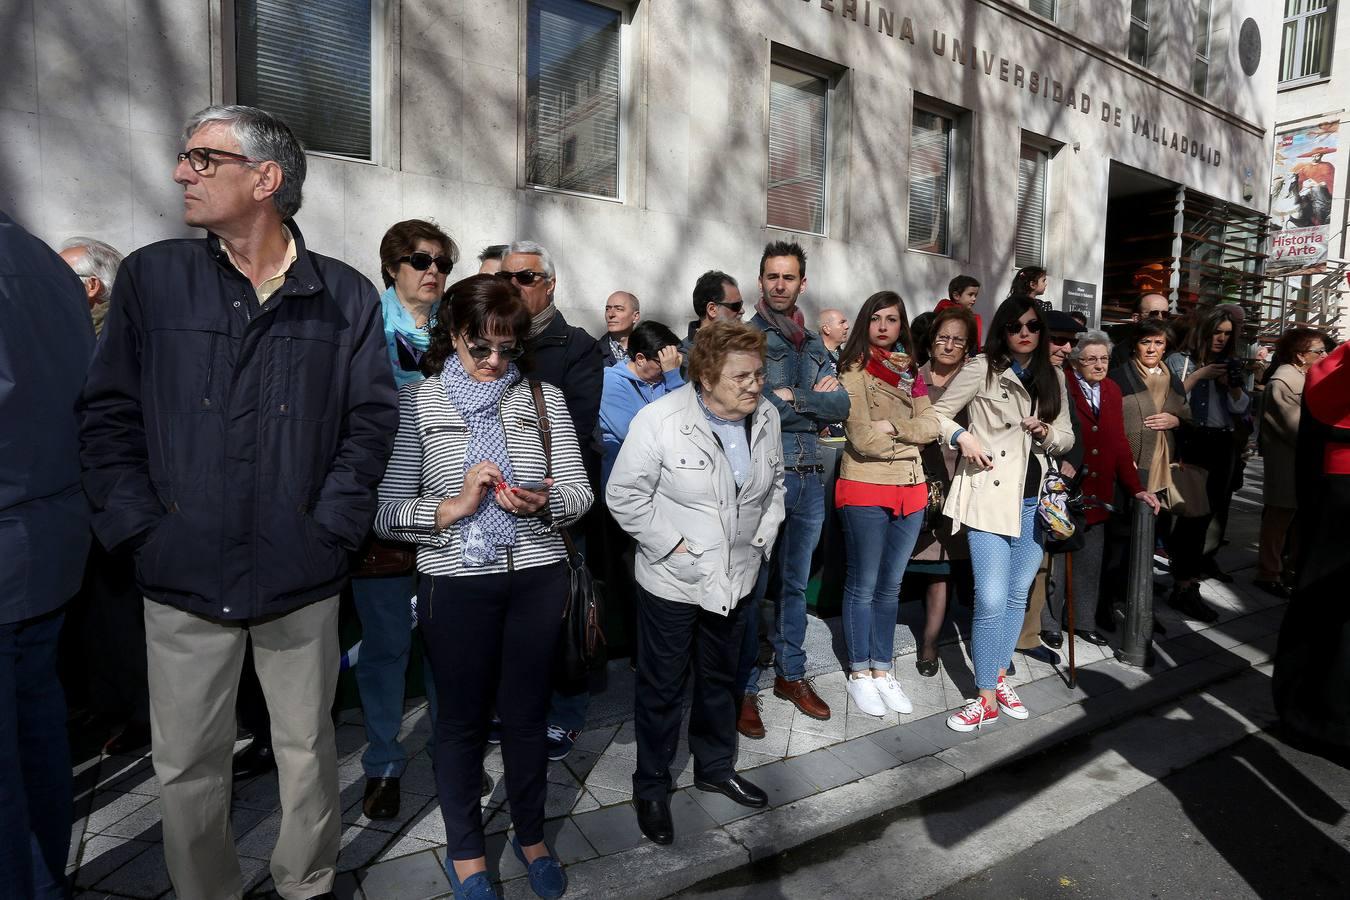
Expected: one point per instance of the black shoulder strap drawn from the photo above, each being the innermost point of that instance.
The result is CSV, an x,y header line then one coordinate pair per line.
x,y
546,437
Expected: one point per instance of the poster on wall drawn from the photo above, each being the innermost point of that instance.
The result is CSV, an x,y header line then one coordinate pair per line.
x,y
1303,181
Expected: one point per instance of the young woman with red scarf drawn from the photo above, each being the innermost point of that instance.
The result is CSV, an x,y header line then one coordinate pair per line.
x,y
881,492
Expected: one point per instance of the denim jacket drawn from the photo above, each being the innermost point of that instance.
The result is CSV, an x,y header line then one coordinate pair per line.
x,y
810,410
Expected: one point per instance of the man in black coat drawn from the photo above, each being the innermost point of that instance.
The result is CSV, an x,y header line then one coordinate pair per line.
x,y
237,419
46,338
568,358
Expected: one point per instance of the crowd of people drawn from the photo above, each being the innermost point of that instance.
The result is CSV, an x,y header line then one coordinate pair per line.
x,y
248,426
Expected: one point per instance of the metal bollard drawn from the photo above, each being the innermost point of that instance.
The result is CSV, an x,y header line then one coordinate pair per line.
x,y
1138,626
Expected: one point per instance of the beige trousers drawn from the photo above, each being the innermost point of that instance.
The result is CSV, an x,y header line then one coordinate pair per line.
x,y
194,666
1277,531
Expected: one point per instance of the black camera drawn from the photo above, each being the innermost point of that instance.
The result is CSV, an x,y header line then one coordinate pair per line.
x,y
1236,368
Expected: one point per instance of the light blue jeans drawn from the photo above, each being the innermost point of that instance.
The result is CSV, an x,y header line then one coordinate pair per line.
x,y
1004,569
384,608
878,546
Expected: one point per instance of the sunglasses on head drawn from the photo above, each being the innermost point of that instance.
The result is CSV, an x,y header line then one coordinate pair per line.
x,y
1034,326
422,261
524,276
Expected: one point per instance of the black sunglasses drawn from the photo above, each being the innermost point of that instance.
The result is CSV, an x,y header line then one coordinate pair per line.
x,y
1034,326
422,261
479,352
1158,314
734,307
524,276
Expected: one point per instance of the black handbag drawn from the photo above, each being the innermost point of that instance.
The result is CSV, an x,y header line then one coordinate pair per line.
x,y
581,644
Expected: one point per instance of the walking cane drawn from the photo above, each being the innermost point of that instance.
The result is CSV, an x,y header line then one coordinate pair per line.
x,y
1068,614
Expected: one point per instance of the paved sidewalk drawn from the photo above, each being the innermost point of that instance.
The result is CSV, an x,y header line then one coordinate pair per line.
x,y
820,776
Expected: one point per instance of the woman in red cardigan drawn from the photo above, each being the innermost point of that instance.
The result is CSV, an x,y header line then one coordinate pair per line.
x,y
1106,459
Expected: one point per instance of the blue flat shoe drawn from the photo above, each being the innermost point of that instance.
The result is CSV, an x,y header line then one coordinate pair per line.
x,y
547,878
477,886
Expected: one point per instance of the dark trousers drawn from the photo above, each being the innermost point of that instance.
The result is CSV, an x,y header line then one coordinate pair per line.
x,y
491,638
1212,449
35,779
115,636
672,639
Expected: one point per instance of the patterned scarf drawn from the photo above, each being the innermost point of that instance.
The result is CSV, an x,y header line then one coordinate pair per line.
x,y
490,527
790,325
541,321
896,369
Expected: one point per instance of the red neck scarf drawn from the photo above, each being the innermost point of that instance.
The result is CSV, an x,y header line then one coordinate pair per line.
x,y
881,364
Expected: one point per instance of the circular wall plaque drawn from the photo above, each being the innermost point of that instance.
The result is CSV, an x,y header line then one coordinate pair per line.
x,y
1249,47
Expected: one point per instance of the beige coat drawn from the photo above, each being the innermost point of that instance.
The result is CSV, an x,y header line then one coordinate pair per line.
x,y
1279,435
992,500
877,458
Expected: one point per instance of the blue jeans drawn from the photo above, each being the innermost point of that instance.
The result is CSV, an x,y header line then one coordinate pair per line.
x,y
1004,569
878,546
803,517
383,606
35,780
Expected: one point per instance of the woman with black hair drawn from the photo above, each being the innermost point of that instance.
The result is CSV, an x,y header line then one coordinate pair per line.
x,y
1211,377
880,493
472,483
651,370
1018,413
1030,281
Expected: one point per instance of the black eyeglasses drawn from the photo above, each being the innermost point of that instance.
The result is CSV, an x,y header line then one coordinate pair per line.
x,y
1060,339
1034,326
200,158
524,276
480,353
422,261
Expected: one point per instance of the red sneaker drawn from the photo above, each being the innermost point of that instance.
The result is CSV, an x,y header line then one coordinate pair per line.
x,y
971,716
1009,702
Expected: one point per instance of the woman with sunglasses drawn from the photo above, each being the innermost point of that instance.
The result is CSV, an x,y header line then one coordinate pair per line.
x,y
468,483
415,257
1297,350
1018,413
881,493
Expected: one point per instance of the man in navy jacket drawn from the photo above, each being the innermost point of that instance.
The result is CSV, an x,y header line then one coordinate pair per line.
x,y
237,420
46,338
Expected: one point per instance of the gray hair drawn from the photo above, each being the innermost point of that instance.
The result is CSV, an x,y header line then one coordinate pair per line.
x,y
264,137
100,261
1091,338
530,248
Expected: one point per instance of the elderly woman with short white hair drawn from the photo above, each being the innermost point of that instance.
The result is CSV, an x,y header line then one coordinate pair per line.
x,y
1106,460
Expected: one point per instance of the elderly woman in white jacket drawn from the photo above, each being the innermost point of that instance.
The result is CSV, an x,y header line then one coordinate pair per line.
x,y
699,486
1018,412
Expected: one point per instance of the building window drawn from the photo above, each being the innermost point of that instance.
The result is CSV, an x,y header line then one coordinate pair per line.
x,y
311,65
1044,8
1305,43
574,77
1029,241
1200,65
930,165
1138,46
798,123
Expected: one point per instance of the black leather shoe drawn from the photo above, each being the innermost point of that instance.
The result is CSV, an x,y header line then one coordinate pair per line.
x,y
130,740
1052,639
1274,588
1093,638
737,789
654,820
927,667
1042,654
381,800
255,759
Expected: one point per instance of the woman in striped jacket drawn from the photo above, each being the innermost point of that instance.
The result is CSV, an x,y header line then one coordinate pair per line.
x,y
471,484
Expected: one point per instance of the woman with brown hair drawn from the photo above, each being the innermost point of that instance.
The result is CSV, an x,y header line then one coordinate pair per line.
x,y
469,482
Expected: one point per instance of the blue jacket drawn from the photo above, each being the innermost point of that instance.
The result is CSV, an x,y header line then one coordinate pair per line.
x,y
46,339
623,396
235,446
810,410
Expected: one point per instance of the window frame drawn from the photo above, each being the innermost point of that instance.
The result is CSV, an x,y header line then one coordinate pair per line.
x,y
1204,47
627,118
1300,21
784,57
1143,25
383,102
1052,15
1047,149
959,154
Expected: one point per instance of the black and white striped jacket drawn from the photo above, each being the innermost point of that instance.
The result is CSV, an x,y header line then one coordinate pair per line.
x,y
428,465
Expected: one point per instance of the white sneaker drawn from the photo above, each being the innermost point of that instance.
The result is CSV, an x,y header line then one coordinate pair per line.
x,y
892,695
865,695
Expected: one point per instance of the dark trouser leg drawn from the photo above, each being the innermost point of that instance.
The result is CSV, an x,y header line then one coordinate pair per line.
x,y
529,638
665,639
118,614
1087,572
712,724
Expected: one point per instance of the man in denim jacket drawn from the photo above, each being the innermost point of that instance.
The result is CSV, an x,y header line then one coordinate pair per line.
x,y
801,385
